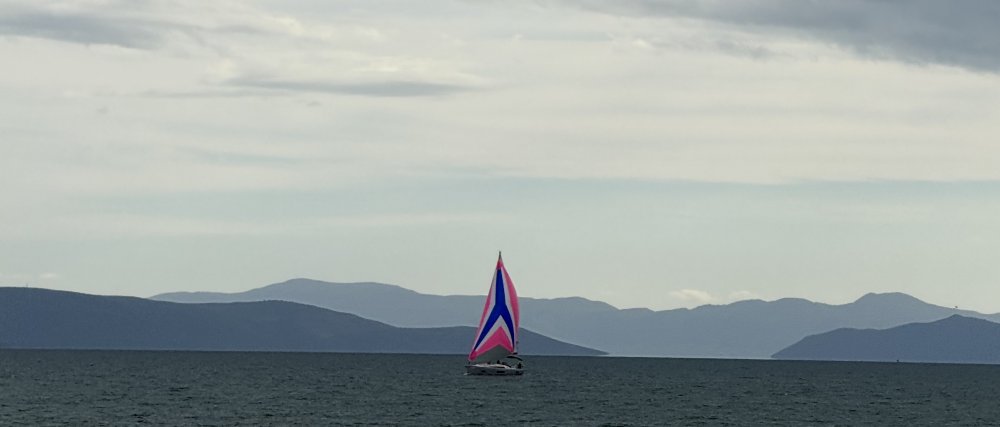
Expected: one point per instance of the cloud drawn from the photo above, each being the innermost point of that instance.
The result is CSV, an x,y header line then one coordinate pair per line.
x,y
147,25
693,295
376,89
647,102
703,297
80,28
742,296
254,52
958,33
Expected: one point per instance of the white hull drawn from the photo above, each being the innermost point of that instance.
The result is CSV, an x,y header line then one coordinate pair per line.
x,y
491,369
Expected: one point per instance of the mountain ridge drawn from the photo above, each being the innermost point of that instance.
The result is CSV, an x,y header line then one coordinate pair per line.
x,y
744,329
44,318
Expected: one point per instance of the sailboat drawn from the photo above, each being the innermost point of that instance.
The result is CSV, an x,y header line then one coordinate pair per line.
x,y
494,347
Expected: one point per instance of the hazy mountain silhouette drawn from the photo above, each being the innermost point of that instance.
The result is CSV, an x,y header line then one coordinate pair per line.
x,y
392,304
745,329
42,318
955,339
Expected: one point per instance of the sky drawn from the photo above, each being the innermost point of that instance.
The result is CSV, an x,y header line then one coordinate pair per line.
x,y
645,153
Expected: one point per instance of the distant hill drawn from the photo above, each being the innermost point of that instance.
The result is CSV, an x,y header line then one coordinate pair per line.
x,y
956,339
41,318
745,329
382,302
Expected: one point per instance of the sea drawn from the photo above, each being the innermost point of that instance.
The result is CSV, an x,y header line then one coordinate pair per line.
x,y
53,387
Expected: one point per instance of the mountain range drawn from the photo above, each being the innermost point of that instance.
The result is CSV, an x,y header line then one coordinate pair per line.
x,y
745,329
42,318
955,339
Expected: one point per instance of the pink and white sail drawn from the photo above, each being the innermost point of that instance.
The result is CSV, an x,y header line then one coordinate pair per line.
x,y
496,337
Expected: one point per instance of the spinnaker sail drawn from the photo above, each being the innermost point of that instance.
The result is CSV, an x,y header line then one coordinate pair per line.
x,y
496,337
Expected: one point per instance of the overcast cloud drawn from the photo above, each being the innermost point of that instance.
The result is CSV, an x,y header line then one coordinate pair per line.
x,y
961,33
644,153
79,28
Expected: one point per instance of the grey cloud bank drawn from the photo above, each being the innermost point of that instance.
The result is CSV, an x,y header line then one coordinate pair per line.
x,y
962,33
84,29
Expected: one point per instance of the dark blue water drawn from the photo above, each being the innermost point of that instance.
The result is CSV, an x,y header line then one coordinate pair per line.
x,y
190,388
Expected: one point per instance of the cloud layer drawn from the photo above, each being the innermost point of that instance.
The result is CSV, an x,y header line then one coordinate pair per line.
x,y
379,89
820,149
961,33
